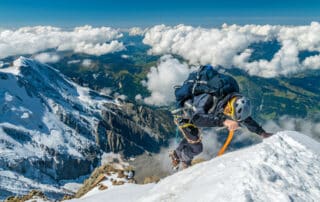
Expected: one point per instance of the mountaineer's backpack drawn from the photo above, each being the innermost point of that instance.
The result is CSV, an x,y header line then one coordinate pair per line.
x,y
205,80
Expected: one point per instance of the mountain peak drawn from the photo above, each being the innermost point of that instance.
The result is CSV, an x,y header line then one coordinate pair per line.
x,y
21,61
15,69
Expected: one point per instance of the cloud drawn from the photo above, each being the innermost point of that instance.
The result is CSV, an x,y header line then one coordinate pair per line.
x,y
200,45
124,56
86,62
138,97
120,96
305,126
47,57
312,62
74,61
86,39
106,91
98,49
162,78
228,46
136,31
284,62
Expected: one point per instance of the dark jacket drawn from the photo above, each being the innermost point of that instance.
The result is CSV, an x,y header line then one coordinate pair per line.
x,y
208,112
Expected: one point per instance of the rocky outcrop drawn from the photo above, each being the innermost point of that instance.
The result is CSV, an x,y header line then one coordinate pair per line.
x,y
133,130
33,195
151,179
105,173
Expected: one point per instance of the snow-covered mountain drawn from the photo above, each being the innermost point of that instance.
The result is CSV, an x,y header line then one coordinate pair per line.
x,y
284,167
53,130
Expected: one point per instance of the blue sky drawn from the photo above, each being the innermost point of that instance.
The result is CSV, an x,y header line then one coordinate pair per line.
x,y
128,13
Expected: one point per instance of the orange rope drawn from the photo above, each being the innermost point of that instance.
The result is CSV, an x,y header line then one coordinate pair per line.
x,y
230,136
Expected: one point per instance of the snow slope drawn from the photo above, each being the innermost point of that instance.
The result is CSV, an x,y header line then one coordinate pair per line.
x,y
284,167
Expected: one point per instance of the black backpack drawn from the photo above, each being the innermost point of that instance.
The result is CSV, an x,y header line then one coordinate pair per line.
x,y
205,80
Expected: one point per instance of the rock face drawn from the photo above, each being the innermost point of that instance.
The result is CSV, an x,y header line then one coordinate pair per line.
x,y
133,129
51,129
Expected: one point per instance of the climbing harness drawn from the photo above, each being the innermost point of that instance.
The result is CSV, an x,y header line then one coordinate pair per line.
x,y
186,125
185,136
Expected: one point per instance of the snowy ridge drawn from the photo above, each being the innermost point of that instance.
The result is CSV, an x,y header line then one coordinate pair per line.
x,y
285,167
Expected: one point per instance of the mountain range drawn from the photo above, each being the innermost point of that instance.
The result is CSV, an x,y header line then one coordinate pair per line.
x,y
53,130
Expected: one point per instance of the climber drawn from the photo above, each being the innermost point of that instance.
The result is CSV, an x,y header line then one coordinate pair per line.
x,y
208,99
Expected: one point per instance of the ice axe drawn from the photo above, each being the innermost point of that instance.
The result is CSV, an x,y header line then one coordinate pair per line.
x,y
227,142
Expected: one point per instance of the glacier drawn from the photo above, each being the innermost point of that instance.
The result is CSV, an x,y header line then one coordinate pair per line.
x,y
284,167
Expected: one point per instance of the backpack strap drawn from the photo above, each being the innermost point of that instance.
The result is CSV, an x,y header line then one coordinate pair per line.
x,y
197,81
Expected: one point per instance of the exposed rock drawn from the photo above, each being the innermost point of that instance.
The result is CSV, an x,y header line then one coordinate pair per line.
x,y
99,175
151,179
133,130
100,178
102,187
197,160
117,182
31,195
67,197
121,174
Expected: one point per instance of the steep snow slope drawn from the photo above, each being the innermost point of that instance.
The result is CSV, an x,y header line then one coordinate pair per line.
x,y
285,167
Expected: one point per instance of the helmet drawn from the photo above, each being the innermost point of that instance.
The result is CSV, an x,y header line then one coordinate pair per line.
x,y
241,108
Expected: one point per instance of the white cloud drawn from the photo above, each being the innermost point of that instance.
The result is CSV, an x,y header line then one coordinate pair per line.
x,y
87,62
284,62
138,97
47,57
228,46
200,45
162,78
106,91
136,31
312,62
305,126
74,61
98,49
118,96
1,64
124,56
86,39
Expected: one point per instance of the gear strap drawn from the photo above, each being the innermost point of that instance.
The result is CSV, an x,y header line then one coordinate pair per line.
x,y
226,144
186,137
181,127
